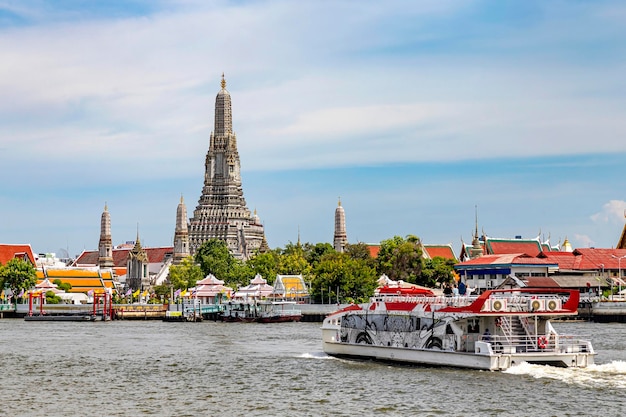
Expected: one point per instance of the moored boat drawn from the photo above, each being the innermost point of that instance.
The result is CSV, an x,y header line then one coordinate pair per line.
x,y
278,311
493,331
234,311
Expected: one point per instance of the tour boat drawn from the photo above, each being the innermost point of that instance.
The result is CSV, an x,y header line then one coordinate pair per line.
x,y
493,331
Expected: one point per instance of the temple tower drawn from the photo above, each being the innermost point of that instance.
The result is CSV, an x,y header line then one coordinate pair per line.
x,y
137,276
105,245
181,234
221,212
341,238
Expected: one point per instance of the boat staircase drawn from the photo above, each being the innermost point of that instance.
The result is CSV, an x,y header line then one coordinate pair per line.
x,y
518,332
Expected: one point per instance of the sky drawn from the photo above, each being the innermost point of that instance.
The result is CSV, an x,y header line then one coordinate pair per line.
x,y
419,115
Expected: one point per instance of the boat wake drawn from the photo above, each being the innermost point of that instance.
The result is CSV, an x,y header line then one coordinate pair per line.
x,y
608,375
315,355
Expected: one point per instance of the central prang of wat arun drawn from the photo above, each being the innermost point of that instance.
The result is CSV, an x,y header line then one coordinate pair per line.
x,y
222,212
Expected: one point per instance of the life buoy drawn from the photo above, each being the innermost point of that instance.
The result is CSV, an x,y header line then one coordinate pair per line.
x,y
498,321
542,342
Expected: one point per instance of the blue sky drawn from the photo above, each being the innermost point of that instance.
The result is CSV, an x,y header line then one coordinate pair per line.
x,y
413,112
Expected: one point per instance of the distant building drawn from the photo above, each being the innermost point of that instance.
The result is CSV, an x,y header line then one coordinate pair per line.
x,y
587,269
137,264
340,239
221,212
498,246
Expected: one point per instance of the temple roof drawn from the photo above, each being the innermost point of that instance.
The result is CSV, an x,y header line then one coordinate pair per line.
x,y
81,279
120,256
501,246
442,251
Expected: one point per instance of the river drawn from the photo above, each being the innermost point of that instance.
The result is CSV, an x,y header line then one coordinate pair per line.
x,y
136,368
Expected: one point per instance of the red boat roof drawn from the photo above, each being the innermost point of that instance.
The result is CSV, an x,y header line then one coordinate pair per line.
x,y
405,291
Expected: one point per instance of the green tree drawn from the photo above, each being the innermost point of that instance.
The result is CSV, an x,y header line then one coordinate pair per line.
x,y
65,286
52,298
314,253
338,277
265,264
359,251
214,258
239,274
437,271
185,275
17,274
401,259
163,291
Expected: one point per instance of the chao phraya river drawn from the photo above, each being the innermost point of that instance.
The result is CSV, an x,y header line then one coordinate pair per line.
x,y
134,368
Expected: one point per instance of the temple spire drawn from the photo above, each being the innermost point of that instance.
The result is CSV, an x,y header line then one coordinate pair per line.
x,y
105,245
340,239
222,212
477,249
181,233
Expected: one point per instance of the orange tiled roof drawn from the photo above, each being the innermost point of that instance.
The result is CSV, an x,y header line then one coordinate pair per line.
x,y
594,258
374,249
566,260
501,246
81,279
8,252
442,251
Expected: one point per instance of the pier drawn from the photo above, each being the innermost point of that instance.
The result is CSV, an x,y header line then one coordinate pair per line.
x,y
173,312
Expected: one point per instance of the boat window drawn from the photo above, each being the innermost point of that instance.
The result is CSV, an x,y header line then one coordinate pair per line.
x,y
472,326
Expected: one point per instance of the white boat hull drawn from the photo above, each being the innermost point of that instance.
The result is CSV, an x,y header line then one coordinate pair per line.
x,y
484,358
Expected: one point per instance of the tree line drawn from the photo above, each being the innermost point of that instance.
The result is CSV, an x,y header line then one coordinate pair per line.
x,y
345,277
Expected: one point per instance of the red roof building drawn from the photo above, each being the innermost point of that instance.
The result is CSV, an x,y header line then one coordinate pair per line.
x,y
8,252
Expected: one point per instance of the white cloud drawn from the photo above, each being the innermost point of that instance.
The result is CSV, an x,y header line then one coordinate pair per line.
x,y
612,212
583,241
128,101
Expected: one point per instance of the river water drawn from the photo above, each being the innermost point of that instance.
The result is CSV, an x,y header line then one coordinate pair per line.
x,y
136,368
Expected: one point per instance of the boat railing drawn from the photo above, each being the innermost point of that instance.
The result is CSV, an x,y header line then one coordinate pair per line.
x,y
552,343
514,302
281,313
